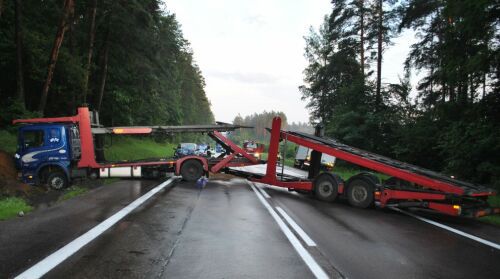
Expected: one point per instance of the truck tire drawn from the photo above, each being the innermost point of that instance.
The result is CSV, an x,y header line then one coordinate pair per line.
x,y
191,170
57,180
360,192
326,187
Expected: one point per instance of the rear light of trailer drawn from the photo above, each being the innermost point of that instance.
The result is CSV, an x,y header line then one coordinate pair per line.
x,y
132,130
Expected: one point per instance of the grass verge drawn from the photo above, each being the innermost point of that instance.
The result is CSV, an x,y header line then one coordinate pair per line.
x,y
9,141
72,192
494,201
135,148
10,207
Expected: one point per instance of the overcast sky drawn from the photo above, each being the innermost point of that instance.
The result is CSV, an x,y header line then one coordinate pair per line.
x,y
251,52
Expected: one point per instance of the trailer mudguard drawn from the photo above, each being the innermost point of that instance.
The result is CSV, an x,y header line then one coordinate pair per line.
x,y
178,163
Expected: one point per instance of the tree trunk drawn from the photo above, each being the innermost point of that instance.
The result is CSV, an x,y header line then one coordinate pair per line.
x,y
104,73
68,10
362,37
93,10
484,85
19,52
72,46
1,8
104,66
379,55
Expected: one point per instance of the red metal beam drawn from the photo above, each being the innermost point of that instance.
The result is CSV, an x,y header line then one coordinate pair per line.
x,y
297,185
449,209
87,141
69,119
234,147
272,156
222,163
388,194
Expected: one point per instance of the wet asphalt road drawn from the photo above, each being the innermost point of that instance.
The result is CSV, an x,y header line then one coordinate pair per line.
x,y
223,231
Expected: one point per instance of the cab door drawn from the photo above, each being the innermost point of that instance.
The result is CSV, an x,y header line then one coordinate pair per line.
x,y
32,143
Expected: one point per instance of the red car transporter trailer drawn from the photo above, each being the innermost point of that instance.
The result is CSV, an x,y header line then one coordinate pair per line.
x,y
190,168
410,186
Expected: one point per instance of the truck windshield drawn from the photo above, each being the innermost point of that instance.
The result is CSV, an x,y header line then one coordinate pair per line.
x,y
33,138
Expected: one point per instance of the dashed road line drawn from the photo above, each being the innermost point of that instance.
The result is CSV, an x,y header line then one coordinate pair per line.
x,y
296,227
303,253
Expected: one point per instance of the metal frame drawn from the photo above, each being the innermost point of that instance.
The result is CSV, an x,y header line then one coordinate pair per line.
x,y
436,195
87,160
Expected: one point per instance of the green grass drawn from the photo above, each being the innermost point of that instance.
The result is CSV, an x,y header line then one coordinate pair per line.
x,y
10,207
135,148
8,141
494,201
72,192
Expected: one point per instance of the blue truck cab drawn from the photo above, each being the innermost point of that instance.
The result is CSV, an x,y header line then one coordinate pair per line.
x,y
46,153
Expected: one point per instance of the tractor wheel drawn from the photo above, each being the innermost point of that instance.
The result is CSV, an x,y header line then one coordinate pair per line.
x,y
57,180
326,187
360,192
191,170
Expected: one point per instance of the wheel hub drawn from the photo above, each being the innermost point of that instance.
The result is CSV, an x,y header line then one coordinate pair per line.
x,y
325,188
57,183
359,194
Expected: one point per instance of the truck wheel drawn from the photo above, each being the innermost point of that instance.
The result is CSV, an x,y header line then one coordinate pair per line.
x,y
360,193
191,170
57,180
325,187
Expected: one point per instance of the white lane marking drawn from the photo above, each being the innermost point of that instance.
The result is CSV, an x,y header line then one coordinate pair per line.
x,y
296,227
464,234
306,257
264,193
51,261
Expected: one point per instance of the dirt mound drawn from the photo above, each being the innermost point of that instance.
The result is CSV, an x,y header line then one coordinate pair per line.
x,y
221,176
7,166
9,185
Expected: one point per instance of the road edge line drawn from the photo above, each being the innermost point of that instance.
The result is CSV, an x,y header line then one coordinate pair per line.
x,y
459,232
303,253
264,193
296,227
57,257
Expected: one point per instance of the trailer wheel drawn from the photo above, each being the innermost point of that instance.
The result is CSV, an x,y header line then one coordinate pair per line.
x,y
326,187
57,180
191,170
360,192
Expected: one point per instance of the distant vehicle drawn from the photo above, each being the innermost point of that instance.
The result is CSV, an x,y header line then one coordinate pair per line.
x,y
303,158
254,148
217,151
185,149
203,149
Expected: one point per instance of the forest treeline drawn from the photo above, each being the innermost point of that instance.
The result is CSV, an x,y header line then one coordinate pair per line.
x,y
126,59
453,122
260,122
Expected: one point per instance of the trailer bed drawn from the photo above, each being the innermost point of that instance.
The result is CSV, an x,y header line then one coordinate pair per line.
x,y
335,147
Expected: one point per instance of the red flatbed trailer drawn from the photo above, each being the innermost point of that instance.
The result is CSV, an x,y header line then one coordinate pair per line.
x,y
422,188
190,167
